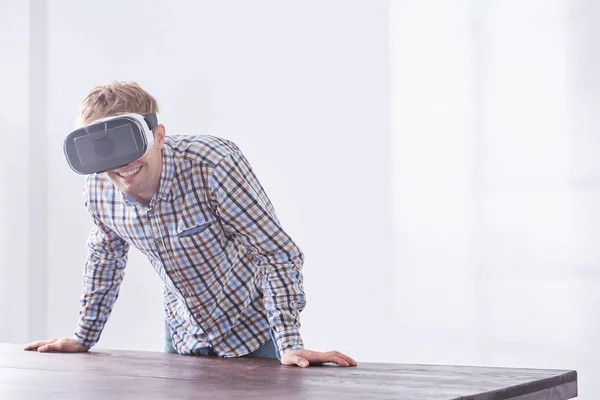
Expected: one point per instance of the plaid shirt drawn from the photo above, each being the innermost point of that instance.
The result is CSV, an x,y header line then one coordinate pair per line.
x,y
232,275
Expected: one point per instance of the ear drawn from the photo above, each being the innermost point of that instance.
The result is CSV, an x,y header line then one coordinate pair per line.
x,y
159,136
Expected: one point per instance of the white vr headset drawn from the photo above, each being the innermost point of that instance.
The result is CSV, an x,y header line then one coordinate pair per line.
x,y
110,143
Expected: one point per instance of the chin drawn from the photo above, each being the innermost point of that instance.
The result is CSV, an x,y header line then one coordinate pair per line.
x,y
128,192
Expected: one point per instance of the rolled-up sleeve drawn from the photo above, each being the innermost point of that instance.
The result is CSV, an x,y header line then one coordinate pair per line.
x,y
246,212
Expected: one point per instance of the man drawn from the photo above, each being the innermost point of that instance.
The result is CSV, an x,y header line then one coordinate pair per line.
x,y
192,204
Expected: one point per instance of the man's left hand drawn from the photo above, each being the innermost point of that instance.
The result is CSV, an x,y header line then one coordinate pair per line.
x,y
304,358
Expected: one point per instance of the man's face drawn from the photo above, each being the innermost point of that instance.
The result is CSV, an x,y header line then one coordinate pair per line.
x,y
141,178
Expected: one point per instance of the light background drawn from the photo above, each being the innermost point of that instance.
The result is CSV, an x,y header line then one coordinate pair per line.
x,y
435,160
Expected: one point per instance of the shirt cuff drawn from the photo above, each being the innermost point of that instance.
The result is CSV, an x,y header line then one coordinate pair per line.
x,y
288,339
80,337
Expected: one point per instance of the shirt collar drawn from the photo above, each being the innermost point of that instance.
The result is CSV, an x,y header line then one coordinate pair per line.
x,y
167,172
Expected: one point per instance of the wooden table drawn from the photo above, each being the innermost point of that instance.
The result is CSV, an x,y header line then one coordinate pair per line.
x,y
108,374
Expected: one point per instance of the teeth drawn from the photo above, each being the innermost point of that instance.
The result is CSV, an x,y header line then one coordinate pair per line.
x,y
129,173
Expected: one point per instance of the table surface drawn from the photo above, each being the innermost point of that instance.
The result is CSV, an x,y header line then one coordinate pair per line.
x,y
110,374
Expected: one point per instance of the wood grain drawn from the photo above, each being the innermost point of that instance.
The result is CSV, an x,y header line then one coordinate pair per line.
x,y
109,374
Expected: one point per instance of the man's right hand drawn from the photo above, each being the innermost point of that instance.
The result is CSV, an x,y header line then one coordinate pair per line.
x,y
64,345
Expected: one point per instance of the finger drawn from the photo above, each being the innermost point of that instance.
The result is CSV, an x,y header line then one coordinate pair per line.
x,y
44,349
294,359
35,345
301,362
39,343
339,361
54,346
317,357
349,360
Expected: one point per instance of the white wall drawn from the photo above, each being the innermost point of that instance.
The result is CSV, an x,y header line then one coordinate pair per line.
x,y
464,233
302,87
436,293
496,183
14,170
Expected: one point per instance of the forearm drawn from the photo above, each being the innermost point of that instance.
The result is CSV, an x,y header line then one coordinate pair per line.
x,y
101,283
104,268
284,299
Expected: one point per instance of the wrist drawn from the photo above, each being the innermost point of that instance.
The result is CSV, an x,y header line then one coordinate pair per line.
x,y
82,342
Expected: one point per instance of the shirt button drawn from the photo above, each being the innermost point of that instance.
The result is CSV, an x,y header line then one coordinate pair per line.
x,y
159,242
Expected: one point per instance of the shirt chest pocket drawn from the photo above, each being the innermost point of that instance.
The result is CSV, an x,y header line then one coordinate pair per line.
x,y
198,234
199,228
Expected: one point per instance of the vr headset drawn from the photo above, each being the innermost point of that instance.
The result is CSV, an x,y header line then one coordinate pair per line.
x,y
110,143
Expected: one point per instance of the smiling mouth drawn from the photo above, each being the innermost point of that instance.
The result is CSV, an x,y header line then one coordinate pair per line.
x,y
130,173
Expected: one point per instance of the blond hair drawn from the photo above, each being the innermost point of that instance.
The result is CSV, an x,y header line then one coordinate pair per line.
x,y
116,98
